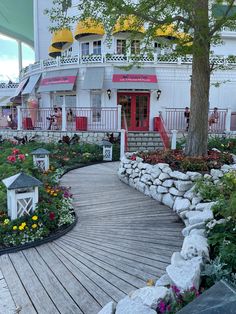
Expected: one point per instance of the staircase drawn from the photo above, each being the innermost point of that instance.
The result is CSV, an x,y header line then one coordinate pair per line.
x,y
140,141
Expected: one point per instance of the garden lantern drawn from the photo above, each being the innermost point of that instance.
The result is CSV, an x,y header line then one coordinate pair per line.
x,y
22,194
41,158
107,150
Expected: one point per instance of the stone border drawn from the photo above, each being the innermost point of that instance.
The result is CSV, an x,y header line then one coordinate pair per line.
x,y
176,190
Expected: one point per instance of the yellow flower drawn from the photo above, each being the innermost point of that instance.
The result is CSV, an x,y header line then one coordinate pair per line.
x,y
14,227
35,217
34,226
54,194
6,221
21,228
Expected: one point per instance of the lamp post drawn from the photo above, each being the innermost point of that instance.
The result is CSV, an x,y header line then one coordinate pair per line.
x,y
158,94
109,93
107,150
22,194
41,158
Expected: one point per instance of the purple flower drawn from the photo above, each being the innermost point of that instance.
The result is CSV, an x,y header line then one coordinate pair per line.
x,y
175,289
162,306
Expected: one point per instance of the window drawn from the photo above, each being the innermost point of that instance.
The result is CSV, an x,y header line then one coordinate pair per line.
x,y
135,47
85,49
96,103
121,46
97,47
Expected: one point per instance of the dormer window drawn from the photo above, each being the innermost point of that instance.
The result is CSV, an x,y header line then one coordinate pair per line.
x,y
121,46
135,47
97,47
85,49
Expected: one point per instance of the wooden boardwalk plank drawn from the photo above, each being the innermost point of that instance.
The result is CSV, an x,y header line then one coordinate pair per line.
x,y
122,239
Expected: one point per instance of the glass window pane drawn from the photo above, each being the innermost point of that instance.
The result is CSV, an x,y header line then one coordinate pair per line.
x,y
97,47
96,104
121,46
135,47
85,49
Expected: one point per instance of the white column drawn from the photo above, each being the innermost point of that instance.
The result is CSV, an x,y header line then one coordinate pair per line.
x,y
228,120
19,118
119,118
173,139
63,126
122,143
19,43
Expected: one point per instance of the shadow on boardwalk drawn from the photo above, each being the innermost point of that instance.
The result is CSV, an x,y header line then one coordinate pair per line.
x,y
122,239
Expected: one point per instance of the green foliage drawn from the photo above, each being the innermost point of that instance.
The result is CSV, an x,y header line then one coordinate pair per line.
x,y
224,144
54,210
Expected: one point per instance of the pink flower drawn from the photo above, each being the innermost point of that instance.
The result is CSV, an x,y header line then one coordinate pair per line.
x,y
133,157
162,306
21,157
15,151
175,289
11,158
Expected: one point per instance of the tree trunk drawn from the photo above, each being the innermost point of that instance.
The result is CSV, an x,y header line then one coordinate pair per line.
x,y
200,83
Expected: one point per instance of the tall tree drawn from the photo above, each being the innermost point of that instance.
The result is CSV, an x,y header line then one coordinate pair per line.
x,y
201,19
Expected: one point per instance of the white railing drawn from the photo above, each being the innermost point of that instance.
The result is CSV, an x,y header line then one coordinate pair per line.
x,y
175,120
115,58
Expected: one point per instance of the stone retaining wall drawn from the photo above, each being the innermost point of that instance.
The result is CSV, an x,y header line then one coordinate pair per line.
x,y
55,136
176,190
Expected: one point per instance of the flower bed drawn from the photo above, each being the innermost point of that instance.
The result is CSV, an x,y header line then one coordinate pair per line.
x,y
54,212
183,192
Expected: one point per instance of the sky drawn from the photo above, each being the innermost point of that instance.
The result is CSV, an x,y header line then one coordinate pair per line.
x,y
9,58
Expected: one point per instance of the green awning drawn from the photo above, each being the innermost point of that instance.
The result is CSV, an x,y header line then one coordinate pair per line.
x,y
16,20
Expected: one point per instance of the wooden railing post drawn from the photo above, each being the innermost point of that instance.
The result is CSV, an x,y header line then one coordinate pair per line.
x,y
122,143
173,139
119,117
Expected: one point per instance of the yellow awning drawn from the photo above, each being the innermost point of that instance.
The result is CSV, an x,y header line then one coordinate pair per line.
x,y
166,31
88,27
62,39
54,52
128,24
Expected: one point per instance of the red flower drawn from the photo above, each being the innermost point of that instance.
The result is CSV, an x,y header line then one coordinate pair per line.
x,y
51,215
15,151
11,158
21,157
133,157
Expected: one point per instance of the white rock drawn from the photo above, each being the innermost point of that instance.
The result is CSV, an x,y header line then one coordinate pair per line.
x,y
216,173
140,186
159,197
121,170
124,160
199,216
189,194
162,165
131,183
146,178
182,215
139,159
134,175
150,296
129,171
181,204
183,186
168,183
163,176
201,232
147,190
161,189
225,168
109,308
205,206
164,280
175,192
179,175
186,231
184,277
156,171
157,182
207,176
178,260
137,170
167,170
168,200
141,166
196,200
127,166
128,306
194,175
215,181
194,245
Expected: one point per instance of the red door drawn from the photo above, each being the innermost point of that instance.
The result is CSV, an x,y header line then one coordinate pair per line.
x,y
135,110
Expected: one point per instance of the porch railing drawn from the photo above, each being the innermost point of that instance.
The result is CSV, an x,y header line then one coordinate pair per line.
x,y
174,120
161,128
76,119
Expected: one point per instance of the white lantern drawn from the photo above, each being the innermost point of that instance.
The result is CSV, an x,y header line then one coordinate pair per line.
x,y
107,150
22,194
41,158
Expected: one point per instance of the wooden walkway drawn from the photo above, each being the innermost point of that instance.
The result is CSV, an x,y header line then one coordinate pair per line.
x,y
122,239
